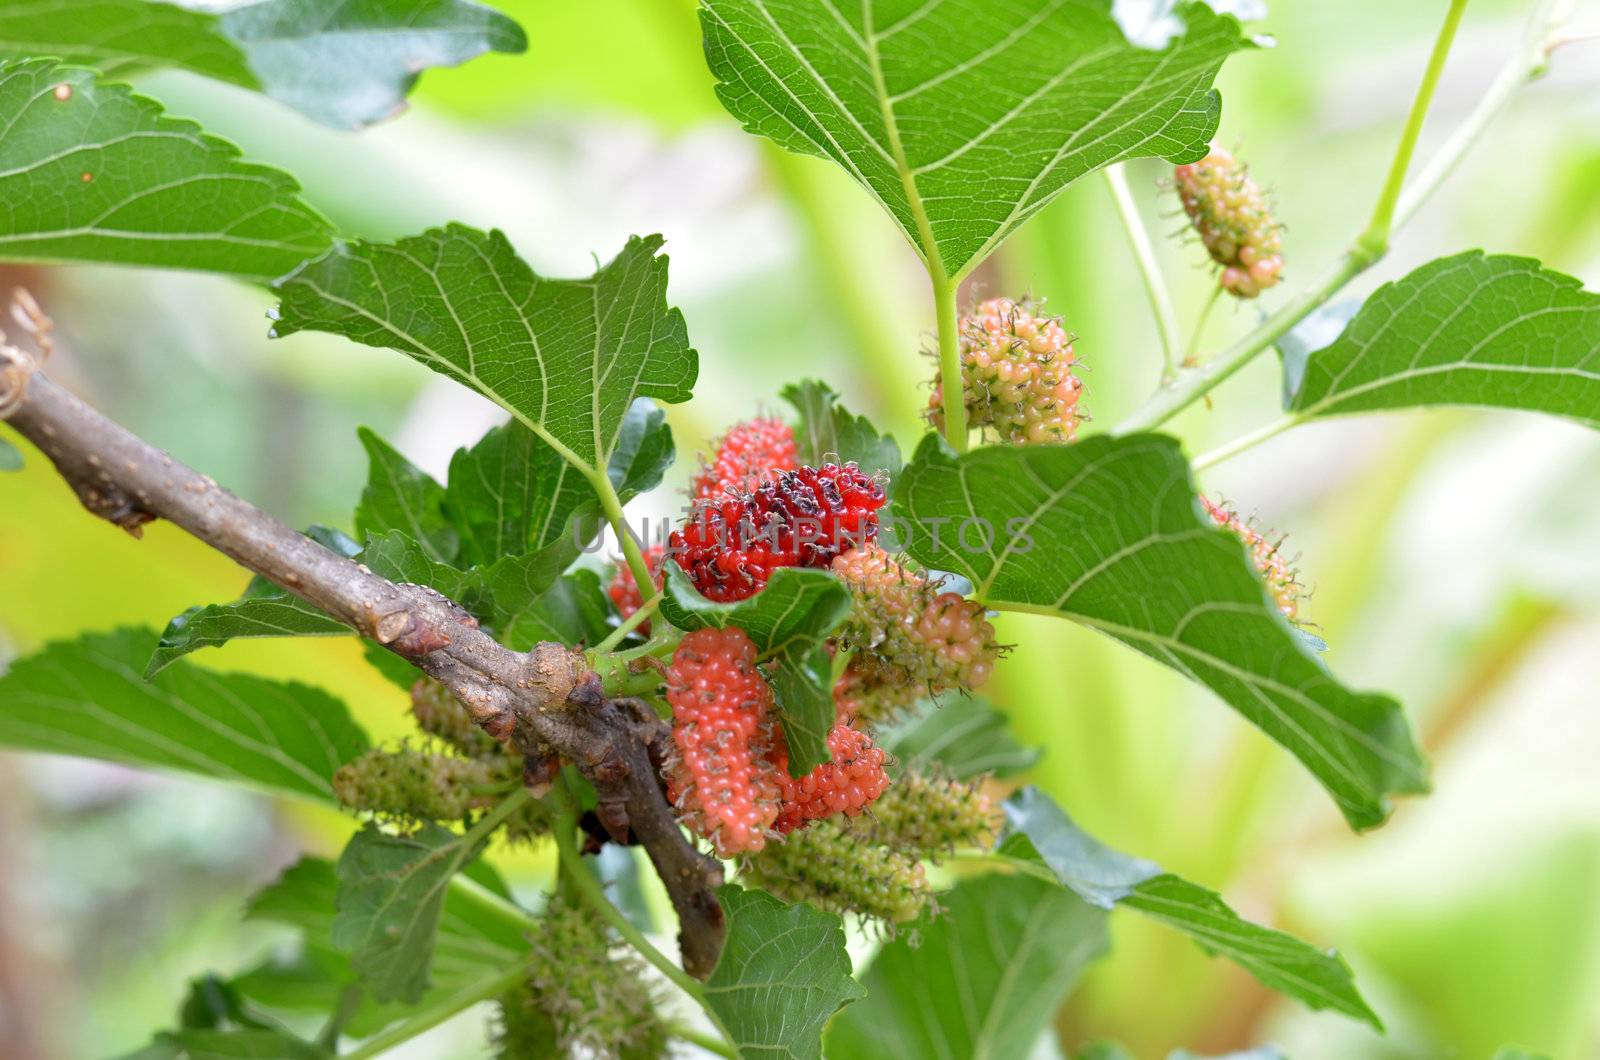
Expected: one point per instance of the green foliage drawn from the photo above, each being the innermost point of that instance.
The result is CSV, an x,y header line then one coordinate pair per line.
x,y
90,171
401,496
784,972
1472,329
478,933
86,697
1106,532
1038,828
828,431
247,1043
565,357
347,65
963,735
790,622
513,493
978,978
390,901
962,120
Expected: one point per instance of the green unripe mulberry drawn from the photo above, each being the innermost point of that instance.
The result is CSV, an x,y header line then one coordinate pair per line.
x,y
422,786
932,815
836,865
584,997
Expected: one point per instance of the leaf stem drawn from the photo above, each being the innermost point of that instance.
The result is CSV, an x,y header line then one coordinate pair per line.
x,y
350,999
437,1013
495,818
979,855
1144,255
1192,349
709,1043
950,382
1527,63
588,889
1244,442
628,625
611,504
1373,242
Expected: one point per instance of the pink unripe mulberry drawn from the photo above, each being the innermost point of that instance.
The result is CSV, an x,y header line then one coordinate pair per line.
x,y
722,780
1016,374
1234,220
1267,555
624,590
848,783
910,639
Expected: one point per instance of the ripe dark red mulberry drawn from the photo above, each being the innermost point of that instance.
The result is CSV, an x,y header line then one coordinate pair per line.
x,y
624,590
847,784
751,453
722,780
801,518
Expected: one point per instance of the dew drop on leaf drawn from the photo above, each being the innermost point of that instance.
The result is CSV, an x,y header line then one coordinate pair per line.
x,y
63,92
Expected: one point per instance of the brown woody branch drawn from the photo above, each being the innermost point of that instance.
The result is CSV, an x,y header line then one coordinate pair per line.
x,y
544,700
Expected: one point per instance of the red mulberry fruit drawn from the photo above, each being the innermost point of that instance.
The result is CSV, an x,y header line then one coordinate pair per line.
x,y
847,784
722,779
1234,221
751,453
624,590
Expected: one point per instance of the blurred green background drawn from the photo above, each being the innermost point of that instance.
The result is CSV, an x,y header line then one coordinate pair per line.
x,y
1454,557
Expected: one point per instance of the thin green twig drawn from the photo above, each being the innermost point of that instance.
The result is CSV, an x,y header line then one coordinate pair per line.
x,y
588,889
1374,241
1191,351
1527,63
1144,255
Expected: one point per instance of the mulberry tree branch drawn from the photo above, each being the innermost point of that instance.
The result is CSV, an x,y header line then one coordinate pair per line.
x,y
546,702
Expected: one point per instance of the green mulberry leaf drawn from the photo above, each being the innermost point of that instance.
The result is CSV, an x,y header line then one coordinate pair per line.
x,y
963,118
828,431
1473,329
1038,828
567,358
88,697
782,974
1107,532
92,172
346,65
979,977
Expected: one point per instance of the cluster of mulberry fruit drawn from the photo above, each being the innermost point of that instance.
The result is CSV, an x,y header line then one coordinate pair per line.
x,y
1267,555
1016,375
910,639
730,778
1234,221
